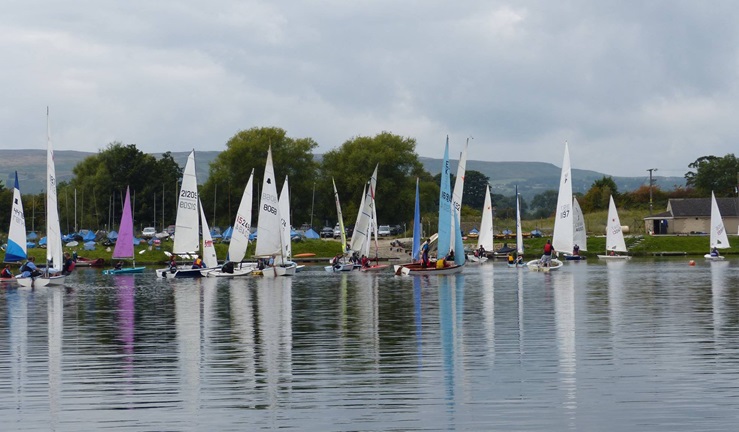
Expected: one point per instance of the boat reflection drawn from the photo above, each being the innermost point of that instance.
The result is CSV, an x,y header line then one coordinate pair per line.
x,y
17,303
55,304
187,323
718,287
274,300
242,327
564,310
126,321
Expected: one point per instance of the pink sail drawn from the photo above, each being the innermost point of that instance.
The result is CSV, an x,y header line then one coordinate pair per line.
x,y
124,244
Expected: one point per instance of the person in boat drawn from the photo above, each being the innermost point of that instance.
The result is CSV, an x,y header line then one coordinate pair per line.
x,y
228,267
68,265
198,263
425,253
172,264
511,260
6,273
714,252
450,257
546,259
365,261
481,251
260,264
119,265
519,260
336,262
29,269
576,250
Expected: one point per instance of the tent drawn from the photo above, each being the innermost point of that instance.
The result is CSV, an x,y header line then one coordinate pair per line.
x,y
227,234
311,234
90,245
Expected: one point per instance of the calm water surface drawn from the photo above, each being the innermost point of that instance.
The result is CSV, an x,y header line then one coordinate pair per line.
x,y
636,346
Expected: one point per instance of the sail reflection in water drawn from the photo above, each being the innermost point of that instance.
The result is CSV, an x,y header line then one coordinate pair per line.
x,y
564,303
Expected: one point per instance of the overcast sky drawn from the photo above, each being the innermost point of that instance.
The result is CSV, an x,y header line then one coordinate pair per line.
x,y
631,85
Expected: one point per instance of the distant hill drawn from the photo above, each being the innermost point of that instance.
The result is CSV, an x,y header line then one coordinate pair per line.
x,y
531,177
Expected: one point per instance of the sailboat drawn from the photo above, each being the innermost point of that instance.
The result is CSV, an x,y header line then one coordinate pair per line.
x,y
563,218
485,238
239,236
52,274
518,262
444,236
719,240
16,250
210,259
579,233
286,228
124,245
614,235
269,230
366,226
338,263
187,225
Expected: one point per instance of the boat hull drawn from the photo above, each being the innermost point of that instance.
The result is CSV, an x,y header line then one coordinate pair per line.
x,y
339,268
416,269
238,272
535,265
710,257
128,270
375,268
40,281
614,257
180,273
276,271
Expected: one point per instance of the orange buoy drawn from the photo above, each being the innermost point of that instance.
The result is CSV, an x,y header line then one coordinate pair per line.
x,y
692,263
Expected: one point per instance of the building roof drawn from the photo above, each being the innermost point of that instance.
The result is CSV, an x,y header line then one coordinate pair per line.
x,y
701,207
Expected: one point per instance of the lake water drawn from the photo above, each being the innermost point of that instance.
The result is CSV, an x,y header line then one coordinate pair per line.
x,y
645,345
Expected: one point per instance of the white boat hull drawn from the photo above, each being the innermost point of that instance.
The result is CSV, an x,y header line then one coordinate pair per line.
x,y
276,271
614,257
536,265
244,270
710,257
476,259
40,281
180,273
339,268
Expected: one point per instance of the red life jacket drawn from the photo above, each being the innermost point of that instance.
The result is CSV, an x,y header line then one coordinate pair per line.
x,y
547,248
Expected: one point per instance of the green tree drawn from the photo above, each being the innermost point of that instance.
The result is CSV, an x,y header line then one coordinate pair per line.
x,y
247,150
598,196
352,164
543,204
712,173
475,184
100,184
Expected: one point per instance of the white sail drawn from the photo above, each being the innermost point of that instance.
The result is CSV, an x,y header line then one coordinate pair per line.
x,y
719,240
269,235
562,237
361,234
580,235
53,231
341,218
614,235
284,202
187,226
242,224
519,234
16,250
485,238
458,190
209,251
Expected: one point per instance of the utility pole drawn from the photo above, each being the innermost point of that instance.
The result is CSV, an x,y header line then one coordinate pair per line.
x,y
650,188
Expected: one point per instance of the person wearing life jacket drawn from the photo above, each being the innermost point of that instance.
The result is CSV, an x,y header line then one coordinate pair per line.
x,y
68,265
198,263
546,259
510,259
6,273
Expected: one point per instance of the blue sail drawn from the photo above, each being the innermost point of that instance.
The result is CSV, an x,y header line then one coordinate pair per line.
x,y
416,251
445,206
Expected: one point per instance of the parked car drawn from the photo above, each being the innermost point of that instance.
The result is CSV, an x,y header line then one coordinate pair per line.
x,y
337,231
396,230
327,232
148,232
383,230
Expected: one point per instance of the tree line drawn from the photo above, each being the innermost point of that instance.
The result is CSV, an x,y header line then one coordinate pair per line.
x,y
94,197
